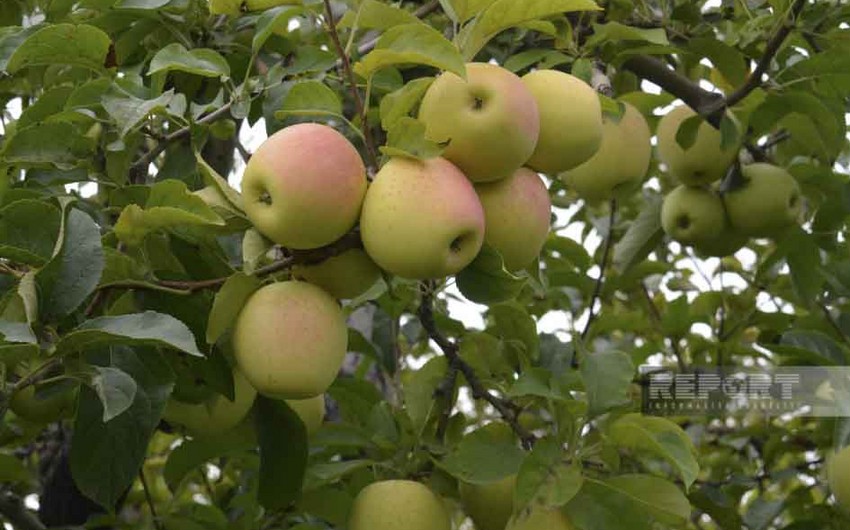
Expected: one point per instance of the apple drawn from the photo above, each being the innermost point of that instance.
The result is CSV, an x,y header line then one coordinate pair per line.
x,y
724,243
703,162
52,402
304,186
517,213
490,120
217,414
621,161
540,519
310,410
768,203
421,219
398,505
570,121
691,214
225,7
290,340
347,275
489,505
838,476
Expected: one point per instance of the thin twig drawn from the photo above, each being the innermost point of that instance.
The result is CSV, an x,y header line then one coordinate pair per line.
x,y
246,156
157,523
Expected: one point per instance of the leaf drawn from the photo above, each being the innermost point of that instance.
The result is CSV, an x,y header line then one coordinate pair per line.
x,y
75,268
212,178
804,261
659,437
269,21
105,457
546,478
419,387
115,389
407,138
726,59
718,505
807,342
17,332
191,454
615,31
607,376
283,452
198,61
643,235
686,134
377,15
141,4
64,44
228,303
148,328
129,111
504,14
28,231
487,281
807,107
486,455
56,143
401,103
310,97
514,323
412,44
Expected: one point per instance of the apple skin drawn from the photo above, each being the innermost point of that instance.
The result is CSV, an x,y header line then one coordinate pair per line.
x,y
396,505
570,121
217,415
517,213
621,161
767,204
421,219
541,520
304,186
838,476
489,505
290,340
53,407
702,163
345,276
690,215
490,120
310,410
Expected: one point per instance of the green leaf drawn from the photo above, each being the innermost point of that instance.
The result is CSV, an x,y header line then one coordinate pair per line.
x,y
807,108
486,455
212,178
28,231
310,97
615,31
13,470
56,143
269,21
17,332
105,457
804,261
718,505
419,387
75,268
807,341
141,4
726,59
228,303
115,389
377,15
148,328
407,138
686,134
659,437
546,478
129,111
607,376
513,323
402,102
283,452
487,281
504,14
64,44
191,454
412,44
643,235
199,61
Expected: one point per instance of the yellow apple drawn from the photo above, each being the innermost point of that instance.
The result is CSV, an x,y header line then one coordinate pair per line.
x,y
489,505
304,186
422,219
490,121
398,505
704,161
540,519
290,340
570,121
767,204
517,212
621,161
347,275
53,402
217,414
691,215
310,410
838,476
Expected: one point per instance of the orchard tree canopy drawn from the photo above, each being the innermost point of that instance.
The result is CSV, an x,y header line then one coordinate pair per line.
x,y
423,302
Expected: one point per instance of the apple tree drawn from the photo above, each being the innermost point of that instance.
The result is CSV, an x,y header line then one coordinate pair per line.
x,y
395,265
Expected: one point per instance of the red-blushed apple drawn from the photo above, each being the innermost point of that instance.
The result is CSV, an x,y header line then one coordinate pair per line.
x,y
422,219
304,186
398,505
490,120
347,275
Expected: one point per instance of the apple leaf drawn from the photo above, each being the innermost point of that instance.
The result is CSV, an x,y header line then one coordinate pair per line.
x,y
228,303
309,97
269,21
546,478
377,15
419,387
283,452
615,31
407,138
198,61
486,281
192,453
28,231
402,102
412,44
486,455
62,44
686,135
607,376
643,235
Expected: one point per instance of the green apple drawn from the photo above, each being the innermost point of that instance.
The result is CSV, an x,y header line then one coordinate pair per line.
x,y
517,213
217,414
703,162
489,505
310,410
490,120
223,129
838,476
725,243
52,401
422,219
398,505
690,215
225,7
767,204
540,519
347,275
304,186
621,161
570,121
290,340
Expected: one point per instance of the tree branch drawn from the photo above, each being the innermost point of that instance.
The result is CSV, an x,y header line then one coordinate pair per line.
x,y
156,522
508,410
13,510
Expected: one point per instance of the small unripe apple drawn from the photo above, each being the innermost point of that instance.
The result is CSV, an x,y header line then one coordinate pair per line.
x,y
540,519
621,161
310,410
217,414
398,505
490,120
489,505
690,215
52,403
517,213
223,129
290,340
704,161
304,186
570,121
347,275
838,476
767,204
422,219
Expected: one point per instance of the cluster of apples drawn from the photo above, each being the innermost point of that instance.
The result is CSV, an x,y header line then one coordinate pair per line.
x,y
696,213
